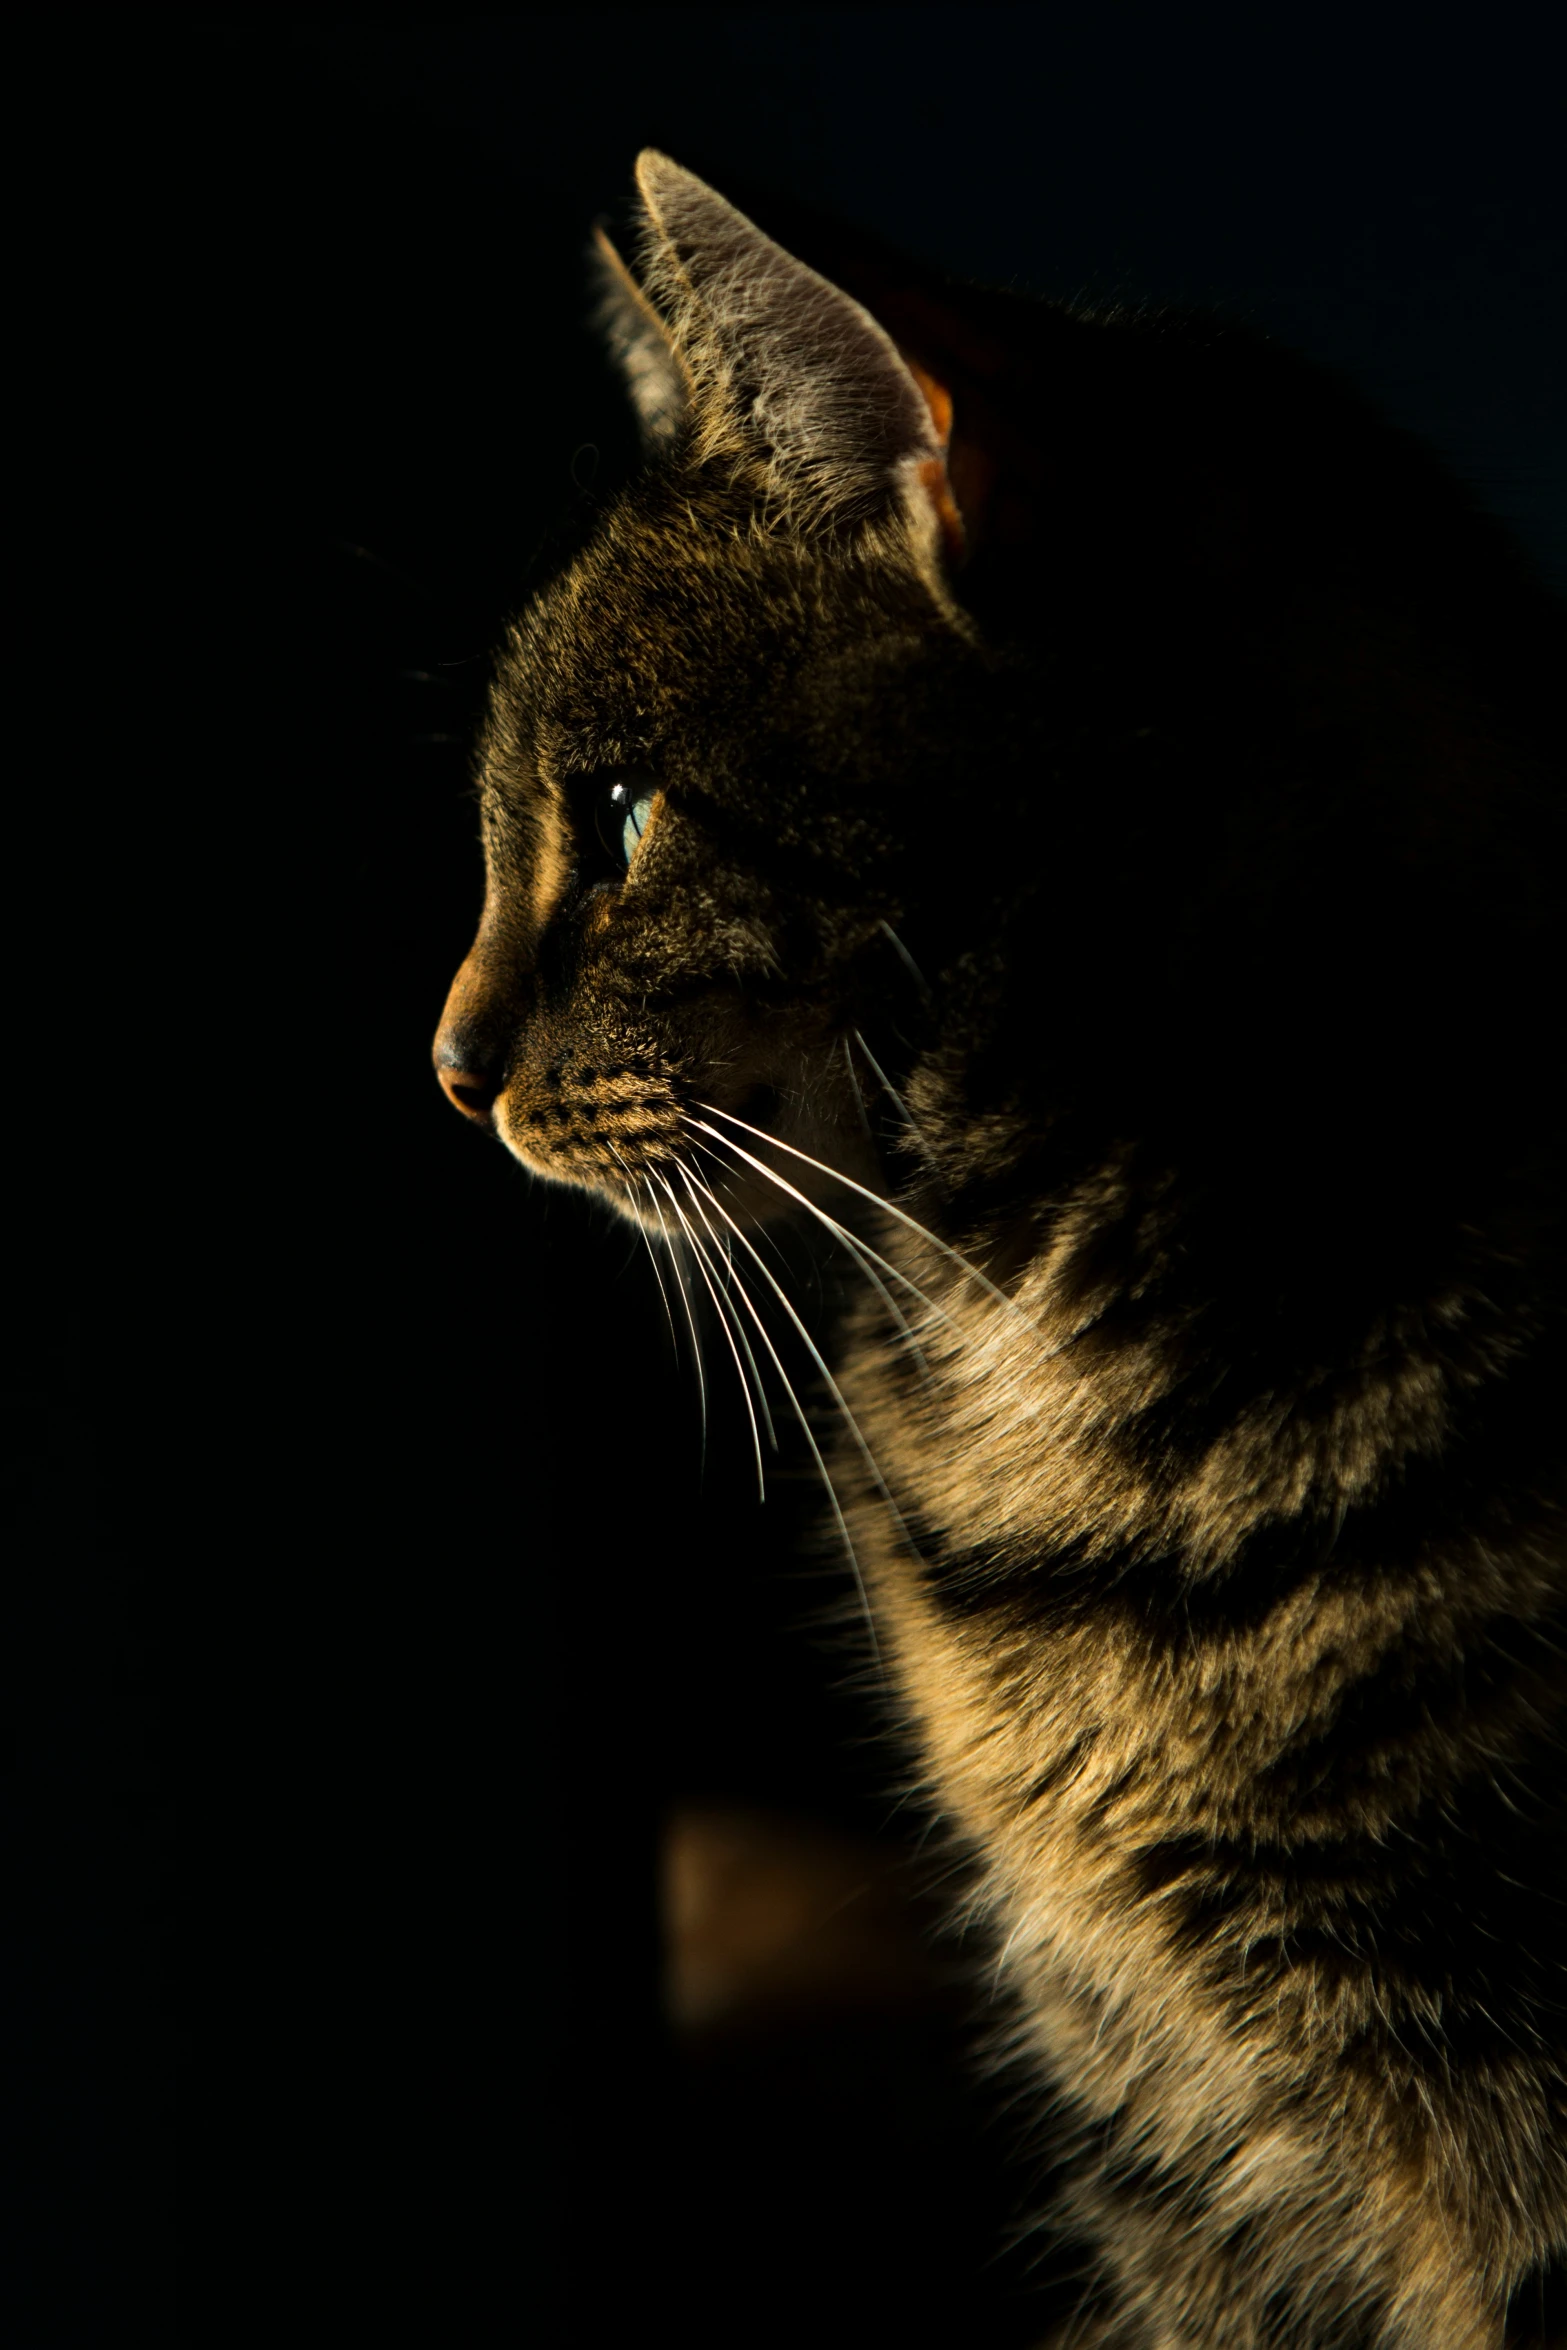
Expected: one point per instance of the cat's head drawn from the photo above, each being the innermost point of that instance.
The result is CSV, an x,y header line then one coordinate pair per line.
x,y
703,771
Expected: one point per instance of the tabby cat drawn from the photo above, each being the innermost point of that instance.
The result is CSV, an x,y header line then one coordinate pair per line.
x,y
1073,803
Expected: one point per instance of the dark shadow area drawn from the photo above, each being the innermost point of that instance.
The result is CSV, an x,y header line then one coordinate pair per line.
x,y
372,1605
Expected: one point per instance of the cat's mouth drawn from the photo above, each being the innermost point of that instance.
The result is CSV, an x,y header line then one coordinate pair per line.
x,y
603,1123
742,1157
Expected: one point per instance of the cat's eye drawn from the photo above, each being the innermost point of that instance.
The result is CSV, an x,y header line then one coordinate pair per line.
x,y
621,814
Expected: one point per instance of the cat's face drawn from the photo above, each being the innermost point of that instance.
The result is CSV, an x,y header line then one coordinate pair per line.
x,y
701,817
694,821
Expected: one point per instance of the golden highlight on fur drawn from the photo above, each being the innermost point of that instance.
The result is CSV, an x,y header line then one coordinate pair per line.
x,y
1073,804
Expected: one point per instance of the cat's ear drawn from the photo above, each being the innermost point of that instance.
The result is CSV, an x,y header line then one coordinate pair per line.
x,y
790,364
643,349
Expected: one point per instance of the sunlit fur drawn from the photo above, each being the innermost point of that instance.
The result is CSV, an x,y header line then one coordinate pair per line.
x,y
1155,913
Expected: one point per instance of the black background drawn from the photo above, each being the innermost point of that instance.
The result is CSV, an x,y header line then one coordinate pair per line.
x,y
367,1599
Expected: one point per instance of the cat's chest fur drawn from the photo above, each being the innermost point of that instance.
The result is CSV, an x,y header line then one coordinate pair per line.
x,y
1132,1639
1180,1835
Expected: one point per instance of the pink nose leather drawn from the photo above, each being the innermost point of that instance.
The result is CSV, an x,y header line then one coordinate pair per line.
x,y
474,1096
466,1066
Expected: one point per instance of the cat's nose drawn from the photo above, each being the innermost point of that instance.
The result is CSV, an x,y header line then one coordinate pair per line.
x,y
469,1064
468,1091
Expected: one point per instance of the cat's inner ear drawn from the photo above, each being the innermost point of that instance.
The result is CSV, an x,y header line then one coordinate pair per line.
x,y
933,477
643,349
789,363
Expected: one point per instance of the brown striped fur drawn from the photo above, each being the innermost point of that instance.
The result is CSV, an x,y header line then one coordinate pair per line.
x,y
1102,735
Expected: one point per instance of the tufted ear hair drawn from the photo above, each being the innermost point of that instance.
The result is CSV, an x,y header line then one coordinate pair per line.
x,y
785,367
643,349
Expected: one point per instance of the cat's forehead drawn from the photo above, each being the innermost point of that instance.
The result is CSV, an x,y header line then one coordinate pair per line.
x,y
684,599
661,581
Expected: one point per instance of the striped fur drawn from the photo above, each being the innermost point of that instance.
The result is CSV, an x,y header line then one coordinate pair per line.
x,y
1168,853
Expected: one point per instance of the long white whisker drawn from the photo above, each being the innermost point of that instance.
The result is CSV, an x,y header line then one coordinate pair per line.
x,y
700,1255
685,1299
863,1255
964,1265
658,1275
652,1253
721,1246
809,1434
852,1240
733,1330
834,1390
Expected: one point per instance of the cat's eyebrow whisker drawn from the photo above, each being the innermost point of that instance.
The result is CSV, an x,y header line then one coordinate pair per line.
x,y
921,1231
798,1408
685,1299
861,1253
701,1261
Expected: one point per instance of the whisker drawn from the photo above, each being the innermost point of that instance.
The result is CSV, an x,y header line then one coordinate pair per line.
x,y
886,1084
809,1434
861,1252
658,1275
652,1253
859,1090
710,1255
909,964
922,1232
685,1299
834,1390
851,1240
733,1282
700,1255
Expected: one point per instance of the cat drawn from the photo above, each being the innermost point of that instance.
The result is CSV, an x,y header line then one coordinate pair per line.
x,y
1071,802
